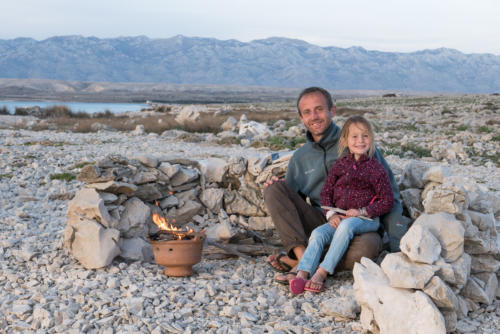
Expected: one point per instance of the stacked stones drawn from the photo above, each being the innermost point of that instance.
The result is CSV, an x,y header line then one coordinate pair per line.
x,y
448,263
112,214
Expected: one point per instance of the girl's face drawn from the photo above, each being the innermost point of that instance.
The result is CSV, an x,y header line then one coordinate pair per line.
x,y
359,140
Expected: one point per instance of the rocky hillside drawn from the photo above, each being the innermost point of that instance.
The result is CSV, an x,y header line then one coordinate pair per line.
x,y
277,62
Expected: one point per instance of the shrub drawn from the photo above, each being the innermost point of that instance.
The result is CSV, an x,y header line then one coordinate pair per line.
x,y
21,112
462,127
63,176
56,112
484,129
4,111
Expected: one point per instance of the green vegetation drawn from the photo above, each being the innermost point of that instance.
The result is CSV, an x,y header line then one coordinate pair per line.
x,y
4,111
7,176
399,150
496,138
462,127
63,176
278,143
229,141
484,129
45,143
82,164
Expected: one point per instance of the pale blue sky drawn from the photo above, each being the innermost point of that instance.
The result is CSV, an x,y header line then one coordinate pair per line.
x,y
386,25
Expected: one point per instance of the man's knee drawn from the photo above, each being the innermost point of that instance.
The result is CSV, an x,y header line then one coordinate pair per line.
x,y
396,226
274,191
364,245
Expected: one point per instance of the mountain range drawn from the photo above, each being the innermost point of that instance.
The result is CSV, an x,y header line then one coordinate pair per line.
x,y
275,62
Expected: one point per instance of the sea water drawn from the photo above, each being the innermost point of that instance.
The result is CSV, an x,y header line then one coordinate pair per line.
x,y
88,107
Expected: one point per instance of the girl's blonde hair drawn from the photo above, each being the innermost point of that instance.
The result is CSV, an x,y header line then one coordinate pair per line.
x,y
343,149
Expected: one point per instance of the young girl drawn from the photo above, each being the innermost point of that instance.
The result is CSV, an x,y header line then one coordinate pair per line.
x,y
357,183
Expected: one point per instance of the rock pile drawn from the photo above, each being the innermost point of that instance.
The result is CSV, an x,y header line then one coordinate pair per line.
x,y
449,259
112,214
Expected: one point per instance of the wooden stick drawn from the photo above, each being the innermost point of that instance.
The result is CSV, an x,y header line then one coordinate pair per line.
x,y
230,250
337,210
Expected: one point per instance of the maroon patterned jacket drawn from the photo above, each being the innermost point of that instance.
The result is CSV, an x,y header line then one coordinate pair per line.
x,y
352,184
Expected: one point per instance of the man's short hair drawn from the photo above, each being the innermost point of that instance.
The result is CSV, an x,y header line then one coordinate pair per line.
x,y
310,90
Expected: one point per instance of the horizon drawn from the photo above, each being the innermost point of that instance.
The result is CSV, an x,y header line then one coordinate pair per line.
x,y
385,26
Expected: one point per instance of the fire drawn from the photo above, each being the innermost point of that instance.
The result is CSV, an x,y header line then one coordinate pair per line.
x,y
164,225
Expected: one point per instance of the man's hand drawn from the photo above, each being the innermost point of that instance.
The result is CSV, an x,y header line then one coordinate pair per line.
x,y
353,213
335,220
273,179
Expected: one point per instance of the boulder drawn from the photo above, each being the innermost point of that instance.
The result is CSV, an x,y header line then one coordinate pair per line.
x,y
448,230
378,300
187,115
483,221
436,174
214,169
169,169
94,174
114,187
91,244
138,131
461,269
256,164
340,308
184,175
402,273
149,192
235,203
168,202
445,271
229,124
490,284
260,223
212,199
221,232
473,291
420,245
254,130
484,263
147,160
411,200
184,214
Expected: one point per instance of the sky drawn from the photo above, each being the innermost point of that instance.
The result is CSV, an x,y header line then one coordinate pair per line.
x,y
470,26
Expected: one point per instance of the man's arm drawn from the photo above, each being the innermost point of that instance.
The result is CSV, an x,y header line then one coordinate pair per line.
x,y
394,185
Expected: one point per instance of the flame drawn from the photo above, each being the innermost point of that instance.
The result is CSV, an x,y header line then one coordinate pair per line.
x,y
164,225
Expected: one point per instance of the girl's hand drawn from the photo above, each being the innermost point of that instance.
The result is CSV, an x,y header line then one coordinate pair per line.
x,y
353,213
334,221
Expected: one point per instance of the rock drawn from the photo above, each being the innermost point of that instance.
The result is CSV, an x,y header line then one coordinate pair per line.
x,y
91,244
147,160
436,174
184,175
138,131
214,169
477,195
445,271
100,127
473,291
450,319
136,249
114,187
93,174
188,114
447,230
450,198
221,232
237,166
483,221
420,245
184,214
441,294
147,175
229,124
341,308
256,164
212,199
490,284
88,203
168,202
377,299
461,269
254,130
133,222
402,273
168,169
411,200
260,223
484,263
235,203
149,192
412,176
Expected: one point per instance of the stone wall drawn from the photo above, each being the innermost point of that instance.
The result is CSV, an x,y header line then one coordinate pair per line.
x,y
449,259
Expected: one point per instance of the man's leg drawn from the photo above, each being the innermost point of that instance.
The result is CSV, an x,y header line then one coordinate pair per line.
x,y
395,226
293,218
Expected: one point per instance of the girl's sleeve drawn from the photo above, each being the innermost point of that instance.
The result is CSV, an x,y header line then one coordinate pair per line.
x,y
327,191
384,199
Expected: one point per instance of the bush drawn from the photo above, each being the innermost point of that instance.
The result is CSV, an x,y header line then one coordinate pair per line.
x,y
21,112
4,111
63,176
56,112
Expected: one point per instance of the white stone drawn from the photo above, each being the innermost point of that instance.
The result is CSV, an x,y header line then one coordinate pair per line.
x,y
403,273
441,294
136,249
450,198
214,169
378,299
448,230
420,245
133,221
212,199
412,176
341,308
88,203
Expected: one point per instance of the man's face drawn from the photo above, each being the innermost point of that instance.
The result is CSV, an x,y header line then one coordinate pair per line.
x,y
315,115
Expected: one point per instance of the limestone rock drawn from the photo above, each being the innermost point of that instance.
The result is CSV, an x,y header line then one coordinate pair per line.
x,y
420,245
447,230
188,114
260,223
222,231
184,214
184,175
91,244
490,284
483,221
168,202
229,124
402,273
484,263
256,164
88,203
473,291
169,169
411,200
461,269
235,203
114,187
445,271
147,160
212,199
148,192
412,176
441,294
450,198
436,174
341,308
255,130
93,174
214,169
136,249
450,319
378,299
133,222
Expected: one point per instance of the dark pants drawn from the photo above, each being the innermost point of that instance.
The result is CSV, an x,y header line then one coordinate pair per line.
x,y
295,219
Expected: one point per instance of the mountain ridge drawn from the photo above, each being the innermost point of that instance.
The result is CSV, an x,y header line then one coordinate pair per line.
x,y
274,62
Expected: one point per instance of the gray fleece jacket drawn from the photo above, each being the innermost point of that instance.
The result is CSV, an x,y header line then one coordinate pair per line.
x,y
309,166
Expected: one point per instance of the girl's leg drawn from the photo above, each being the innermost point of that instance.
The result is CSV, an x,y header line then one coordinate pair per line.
x,y
347,229
320,237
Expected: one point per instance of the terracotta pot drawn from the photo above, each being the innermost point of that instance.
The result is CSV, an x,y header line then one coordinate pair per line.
x,y
178,256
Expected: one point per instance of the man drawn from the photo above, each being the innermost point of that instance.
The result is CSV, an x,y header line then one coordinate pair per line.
x,y
286,201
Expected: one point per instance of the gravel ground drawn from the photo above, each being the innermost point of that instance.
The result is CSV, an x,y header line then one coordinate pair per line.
x,y
44,290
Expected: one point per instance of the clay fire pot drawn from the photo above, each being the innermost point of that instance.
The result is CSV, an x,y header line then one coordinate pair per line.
x,y
178,256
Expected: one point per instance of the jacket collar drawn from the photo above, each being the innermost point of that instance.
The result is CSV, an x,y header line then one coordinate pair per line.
x,y
331,136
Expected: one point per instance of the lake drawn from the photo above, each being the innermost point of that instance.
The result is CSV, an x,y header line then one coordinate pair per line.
x,y
88,107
